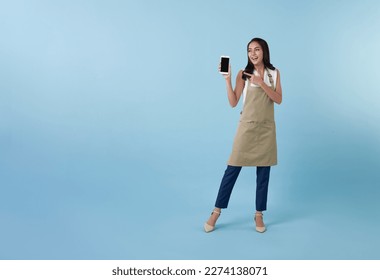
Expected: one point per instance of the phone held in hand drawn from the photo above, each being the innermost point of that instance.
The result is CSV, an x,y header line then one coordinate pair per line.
x,y
224,64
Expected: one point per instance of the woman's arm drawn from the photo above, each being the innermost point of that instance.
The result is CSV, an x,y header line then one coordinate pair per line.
x,y
274,95
234,94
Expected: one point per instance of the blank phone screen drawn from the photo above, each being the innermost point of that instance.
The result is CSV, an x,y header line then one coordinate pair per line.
x,y
224,64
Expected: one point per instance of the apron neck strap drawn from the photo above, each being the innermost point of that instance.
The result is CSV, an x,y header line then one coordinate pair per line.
x,y
270,79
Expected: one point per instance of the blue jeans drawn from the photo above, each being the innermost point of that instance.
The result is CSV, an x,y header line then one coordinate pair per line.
x,y
230,176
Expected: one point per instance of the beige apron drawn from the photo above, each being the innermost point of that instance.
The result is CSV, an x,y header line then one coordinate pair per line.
x,y
255,140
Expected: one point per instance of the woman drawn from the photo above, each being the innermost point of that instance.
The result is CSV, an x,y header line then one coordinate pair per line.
x,y
255,140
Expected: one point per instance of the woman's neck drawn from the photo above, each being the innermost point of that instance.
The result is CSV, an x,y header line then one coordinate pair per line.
x,y
260,69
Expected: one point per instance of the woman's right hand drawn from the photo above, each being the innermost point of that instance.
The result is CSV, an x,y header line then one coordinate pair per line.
x,y
226,76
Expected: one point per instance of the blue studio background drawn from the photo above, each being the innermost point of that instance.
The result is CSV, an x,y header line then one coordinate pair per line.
x,y
115,129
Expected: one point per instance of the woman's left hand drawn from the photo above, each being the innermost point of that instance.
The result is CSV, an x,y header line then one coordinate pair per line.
x,y
257,80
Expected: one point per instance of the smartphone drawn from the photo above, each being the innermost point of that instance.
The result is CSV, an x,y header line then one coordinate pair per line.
x,y
224,64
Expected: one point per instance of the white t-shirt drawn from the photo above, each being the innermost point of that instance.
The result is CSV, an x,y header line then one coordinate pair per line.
x,y
266,80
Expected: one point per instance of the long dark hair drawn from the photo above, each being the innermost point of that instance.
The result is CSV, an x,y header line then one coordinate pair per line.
x,y
266,57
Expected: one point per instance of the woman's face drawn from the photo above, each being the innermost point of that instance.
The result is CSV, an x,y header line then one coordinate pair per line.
x,y
255,53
